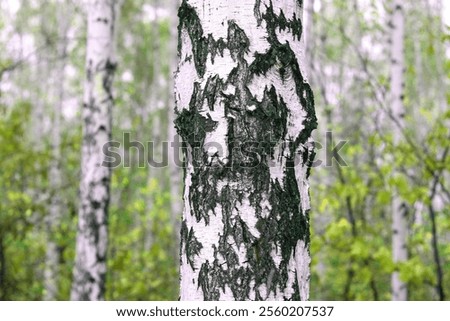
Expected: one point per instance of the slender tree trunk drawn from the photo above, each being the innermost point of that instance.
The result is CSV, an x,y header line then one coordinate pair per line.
x,y
435,9
399,210
245,114
56,210
90,262
41,77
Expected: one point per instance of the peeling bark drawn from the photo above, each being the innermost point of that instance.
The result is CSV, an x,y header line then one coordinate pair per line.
x,y
90,261
245,114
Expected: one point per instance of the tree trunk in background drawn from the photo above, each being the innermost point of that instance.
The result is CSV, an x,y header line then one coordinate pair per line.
x,y
420,131
90,261
440,58
246,115
174,170
41,77
56,207
399,211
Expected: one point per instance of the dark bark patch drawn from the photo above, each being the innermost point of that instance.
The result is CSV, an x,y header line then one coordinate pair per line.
x,y
191,244
202,45
252,135
274,21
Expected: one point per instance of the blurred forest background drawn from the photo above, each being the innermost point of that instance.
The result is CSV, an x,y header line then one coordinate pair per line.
x,y
42,70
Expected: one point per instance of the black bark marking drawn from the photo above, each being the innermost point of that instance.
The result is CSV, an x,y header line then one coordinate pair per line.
x,y
257,12
266,124
202,45
274,21
192,246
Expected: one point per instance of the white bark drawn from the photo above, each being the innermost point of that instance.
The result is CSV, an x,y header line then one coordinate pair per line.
x,y
400,227
245,231
91,247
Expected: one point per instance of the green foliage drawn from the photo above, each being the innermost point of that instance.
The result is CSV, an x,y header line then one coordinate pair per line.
x,y
18,209
351,215
142,263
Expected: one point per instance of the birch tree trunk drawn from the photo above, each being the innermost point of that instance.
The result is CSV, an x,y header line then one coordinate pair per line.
x,y
245,114
399,211
90,261
56,207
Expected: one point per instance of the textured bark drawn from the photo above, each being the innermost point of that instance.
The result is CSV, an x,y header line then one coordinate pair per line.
x,y
245,114
399,210
90,262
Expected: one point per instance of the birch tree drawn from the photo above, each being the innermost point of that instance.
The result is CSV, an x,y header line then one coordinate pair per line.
x,y
245,114
399,211
91,244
